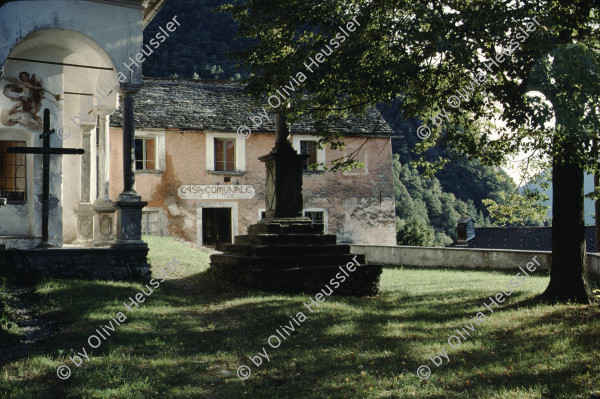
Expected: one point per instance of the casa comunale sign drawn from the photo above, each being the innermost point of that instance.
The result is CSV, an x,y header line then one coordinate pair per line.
x,y
216,192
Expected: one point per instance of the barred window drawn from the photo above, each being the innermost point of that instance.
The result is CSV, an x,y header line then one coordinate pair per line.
x,y
315,216
13,172
150,224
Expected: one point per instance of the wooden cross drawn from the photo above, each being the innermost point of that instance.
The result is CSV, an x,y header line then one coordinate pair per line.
x,y
46,151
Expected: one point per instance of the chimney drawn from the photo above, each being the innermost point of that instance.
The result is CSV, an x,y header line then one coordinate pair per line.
x,y
465,230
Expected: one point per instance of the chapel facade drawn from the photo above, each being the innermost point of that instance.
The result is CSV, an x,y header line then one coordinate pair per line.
x,y
55,55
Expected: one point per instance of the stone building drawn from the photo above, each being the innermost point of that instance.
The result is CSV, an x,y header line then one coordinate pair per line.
x,y
203,181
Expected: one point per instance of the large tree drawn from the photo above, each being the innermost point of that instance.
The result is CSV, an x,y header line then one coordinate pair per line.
x,y
464,68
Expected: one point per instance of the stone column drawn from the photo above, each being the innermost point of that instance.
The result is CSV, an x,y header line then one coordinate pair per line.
x,y
85,210
104,216
284,176
130,204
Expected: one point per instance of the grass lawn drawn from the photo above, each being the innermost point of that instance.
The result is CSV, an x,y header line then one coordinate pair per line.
x,y
191,334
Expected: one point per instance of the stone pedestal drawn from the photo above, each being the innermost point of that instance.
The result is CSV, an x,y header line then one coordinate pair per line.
x,y
129,221
292,255
286,252
283,164
104,219
85,224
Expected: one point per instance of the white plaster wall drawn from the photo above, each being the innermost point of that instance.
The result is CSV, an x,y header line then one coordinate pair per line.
x,y
367,221
88,33
52,80
115,27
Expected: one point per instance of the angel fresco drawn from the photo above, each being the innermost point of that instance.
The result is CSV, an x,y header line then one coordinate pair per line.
x,y
27,92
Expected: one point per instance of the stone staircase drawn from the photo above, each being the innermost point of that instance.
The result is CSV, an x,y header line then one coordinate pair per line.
x,y
292,255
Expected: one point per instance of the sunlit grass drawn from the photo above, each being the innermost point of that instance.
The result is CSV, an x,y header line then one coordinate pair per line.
x,y
191,334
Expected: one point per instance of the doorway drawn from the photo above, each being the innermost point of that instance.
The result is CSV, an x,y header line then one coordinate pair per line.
x,y
216,227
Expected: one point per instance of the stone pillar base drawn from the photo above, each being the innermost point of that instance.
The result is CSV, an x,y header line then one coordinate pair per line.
x,y
292,255
85,224
104,217
129,221
284,182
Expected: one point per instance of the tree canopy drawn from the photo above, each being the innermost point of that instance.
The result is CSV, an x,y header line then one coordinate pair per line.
x,y
466,69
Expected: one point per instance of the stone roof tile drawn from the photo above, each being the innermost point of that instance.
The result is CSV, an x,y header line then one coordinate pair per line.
x,y
222,106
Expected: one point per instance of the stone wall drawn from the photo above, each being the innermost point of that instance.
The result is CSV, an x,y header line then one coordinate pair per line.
x,y
466,258
127,264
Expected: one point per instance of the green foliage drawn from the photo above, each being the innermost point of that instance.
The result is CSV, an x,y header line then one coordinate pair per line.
x,y
414,232
426,215
7,317
524,207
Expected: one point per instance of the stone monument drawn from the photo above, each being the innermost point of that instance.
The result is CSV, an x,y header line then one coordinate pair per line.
x,y
286,252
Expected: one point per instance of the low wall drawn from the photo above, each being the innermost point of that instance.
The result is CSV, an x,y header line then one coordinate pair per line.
x,y
466,258
593,264
126,263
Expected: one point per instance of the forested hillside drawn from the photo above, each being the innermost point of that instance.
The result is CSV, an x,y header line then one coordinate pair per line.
x,y
198,49
427,209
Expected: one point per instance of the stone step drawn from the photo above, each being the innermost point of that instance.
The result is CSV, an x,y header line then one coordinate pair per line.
x,y
287,228
284,262
281,239
363,281
282,250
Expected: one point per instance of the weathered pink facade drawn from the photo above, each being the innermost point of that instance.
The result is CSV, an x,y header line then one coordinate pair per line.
x,y
358,206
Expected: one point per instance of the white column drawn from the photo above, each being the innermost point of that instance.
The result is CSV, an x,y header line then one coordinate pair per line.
x,y
88,163
104,218
85,211
103,159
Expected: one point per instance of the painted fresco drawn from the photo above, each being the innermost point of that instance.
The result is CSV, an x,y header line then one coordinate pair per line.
x,y
26,94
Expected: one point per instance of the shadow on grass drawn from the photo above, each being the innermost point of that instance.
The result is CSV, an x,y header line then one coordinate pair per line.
x,y
191,330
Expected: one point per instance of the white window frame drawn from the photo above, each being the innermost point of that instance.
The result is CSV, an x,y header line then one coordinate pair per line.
x,y
297,138
240,152
234,218
325,217
260,211
159,147
11,134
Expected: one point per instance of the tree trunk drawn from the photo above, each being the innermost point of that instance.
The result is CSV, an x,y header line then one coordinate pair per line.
x,y
568,274
596,202
597,212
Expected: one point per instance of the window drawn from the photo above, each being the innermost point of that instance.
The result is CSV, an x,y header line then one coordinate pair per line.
x,y
150,223
145,154
309,145
13,172
315,216
224,154
308,148
357,149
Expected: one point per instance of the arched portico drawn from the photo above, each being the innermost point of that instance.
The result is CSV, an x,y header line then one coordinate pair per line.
x,y
65,56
